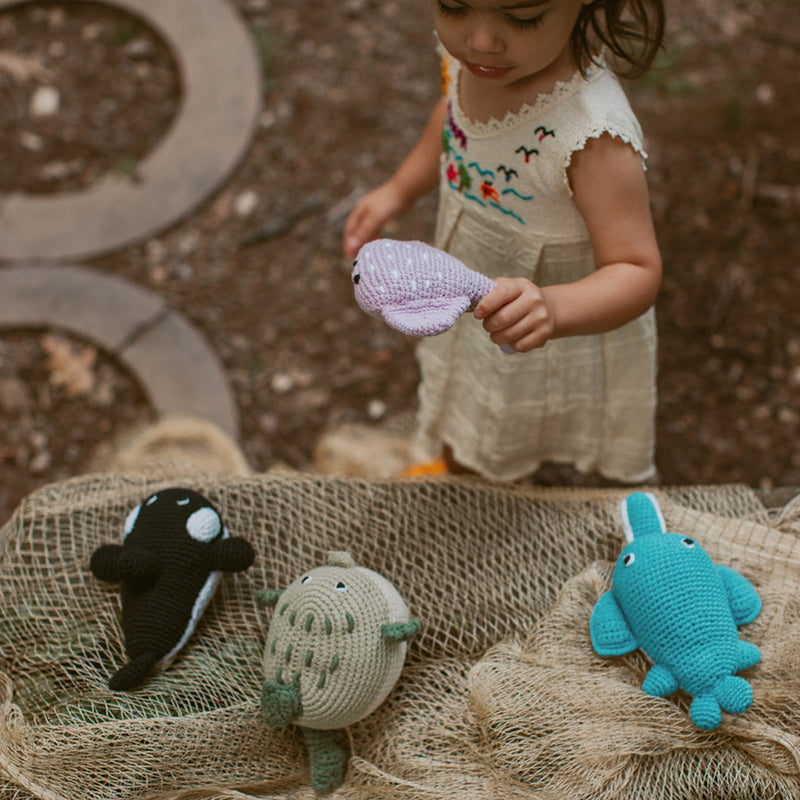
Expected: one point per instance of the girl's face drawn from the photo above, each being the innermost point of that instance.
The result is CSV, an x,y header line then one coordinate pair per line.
x,y
508,42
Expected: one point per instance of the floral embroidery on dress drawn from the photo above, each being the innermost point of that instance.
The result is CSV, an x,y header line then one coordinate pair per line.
x,y
497,187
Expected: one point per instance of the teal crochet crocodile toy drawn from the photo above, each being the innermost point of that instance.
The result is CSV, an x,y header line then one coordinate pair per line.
x,y
669,599
335,648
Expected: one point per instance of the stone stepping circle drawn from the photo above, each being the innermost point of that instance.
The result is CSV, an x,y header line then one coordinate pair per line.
x,y
41,234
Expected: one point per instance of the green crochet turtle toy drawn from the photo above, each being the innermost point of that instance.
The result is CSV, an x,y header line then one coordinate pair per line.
x,y
335,648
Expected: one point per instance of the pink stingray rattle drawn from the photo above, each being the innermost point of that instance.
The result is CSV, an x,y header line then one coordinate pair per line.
x,y
415,288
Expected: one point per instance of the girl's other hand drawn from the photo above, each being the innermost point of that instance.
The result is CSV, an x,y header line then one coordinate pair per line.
x,y
369,216
516,312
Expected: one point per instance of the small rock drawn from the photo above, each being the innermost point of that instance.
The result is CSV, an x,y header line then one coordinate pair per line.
x,y
155,251
31,141
45,102
281,383
376,409
246,203
14,395
40,462
59,170
765,94
139,48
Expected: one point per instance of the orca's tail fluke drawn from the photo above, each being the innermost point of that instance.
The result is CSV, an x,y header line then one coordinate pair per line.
x,y
133,673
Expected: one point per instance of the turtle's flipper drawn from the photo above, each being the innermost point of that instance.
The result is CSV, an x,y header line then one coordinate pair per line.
x,y
327,757
279,703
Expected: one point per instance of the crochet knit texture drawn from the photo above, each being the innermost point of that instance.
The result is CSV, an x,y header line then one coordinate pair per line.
x,y
335,648
669,599
415,288
174,550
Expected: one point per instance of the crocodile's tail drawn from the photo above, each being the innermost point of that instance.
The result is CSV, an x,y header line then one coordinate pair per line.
x,y
731,693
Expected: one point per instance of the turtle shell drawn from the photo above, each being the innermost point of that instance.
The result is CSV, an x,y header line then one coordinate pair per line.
x,y
325,639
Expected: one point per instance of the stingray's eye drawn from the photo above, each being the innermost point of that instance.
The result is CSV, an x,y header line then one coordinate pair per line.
x,y
204,524
306,580
356,278
341,586
687,542
628,559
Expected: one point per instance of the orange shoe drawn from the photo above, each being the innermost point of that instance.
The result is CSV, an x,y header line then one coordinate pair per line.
x,y
435,467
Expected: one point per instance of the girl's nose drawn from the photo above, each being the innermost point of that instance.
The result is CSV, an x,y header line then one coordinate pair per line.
x,y
484,38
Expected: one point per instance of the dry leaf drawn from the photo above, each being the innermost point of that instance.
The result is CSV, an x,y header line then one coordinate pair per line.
x,y
70,365
23,68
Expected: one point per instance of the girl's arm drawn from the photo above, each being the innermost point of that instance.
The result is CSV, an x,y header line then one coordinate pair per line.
x,y
610,191
416,176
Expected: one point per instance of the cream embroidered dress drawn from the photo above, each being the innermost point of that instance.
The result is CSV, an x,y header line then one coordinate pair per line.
x,y
506,209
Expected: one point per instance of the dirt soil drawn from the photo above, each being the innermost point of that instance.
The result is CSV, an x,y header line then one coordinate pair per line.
x,y
259,268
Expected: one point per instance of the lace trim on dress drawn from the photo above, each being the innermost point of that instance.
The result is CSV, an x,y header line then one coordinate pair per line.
x,y
512,119
596,133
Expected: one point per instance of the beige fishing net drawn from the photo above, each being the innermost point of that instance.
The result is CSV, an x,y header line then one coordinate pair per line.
x,y
501,695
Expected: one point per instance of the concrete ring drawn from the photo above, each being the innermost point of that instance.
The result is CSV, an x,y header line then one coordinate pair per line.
x,y
171,359
220,77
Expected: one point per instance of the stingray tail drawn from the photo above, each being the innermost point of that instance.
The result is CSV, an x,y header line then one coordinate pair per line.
x,y
133,673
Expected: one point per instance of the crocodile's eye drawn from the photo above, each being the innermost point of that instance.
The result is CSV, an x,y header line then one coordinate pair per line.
x,y
341,586
628,559
306,580
687,542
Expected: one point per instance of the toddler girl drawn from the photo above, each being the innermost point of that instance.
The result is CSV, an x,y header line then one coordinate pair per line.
x,y
539,161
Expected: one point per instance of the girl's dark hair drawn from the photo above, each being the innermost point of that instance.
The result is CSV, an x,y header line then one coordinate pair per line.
x,y
631,30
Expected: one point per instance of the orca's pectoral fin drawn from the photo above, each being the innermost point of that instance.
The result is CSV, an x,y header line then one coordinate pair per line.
x,y
231,555
104,563
139,568
133,673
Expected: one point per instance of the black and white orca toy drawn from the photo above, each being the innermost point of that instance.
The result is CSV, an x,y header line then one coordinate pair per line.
x,y
174,551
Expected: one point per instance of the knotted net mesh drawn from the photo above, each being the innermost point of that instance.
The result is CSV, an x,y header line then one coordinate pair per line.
x,y
501,695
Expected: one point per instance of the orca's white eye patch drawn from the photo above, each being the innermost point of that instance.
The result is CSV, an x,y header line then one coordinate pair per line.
x,y
204,524
151,500
130,520
184,502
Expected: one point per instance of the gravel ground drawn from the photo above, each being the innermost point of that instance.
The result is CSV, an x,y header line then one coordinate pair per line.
x,y
259,268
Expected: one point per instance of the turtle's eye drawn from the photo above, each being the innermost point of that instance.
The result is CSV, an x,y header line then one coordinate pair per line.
x,y
306,580
341,586
628,559
687,542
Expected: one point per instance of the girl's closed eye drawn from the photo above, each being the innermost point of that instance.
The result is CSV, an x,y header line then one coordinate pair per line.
x,y
525,23
453,10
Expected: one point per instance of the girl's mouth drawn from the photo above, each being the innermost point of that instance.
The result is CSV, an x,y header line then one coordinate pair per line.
x,y
487,72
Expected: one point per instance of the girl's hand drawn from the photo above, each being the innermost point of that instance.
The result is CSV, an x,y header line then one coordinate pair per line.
x,y
370,214
516,312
